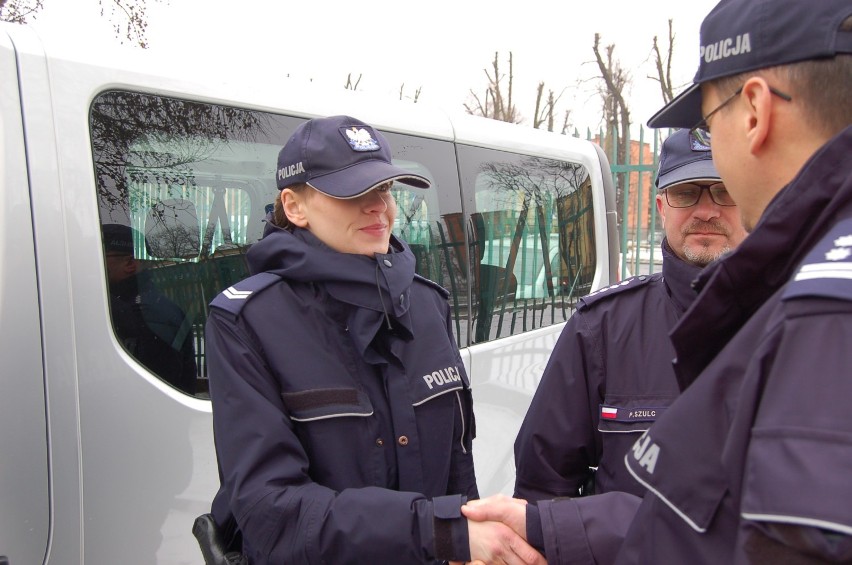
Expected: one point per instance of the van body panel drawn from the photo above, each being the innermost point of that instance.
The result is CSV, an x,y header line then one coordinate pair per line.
x,y
508,372
118,461
145,465
24,486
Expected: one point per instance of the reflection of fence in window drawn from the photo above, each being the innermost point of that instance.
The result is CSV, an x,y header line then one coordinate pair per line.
x,y
206,200
189,256
534,234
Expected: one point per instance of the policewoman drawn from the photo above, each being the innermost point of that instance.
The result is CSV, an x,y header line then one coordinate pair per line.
x,y
341,409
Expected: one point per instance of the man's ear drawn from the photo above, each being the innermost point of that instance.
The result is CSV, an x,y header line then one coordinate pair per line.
x,y
758,120
661,209
293,205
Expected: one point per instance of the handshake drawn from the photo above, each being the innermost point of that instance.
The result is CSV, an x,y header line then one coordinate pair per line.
x,y
497,530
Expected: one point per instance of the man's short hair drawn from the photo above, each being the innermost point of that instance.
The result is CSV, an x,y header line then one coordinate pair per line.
x,y
821,86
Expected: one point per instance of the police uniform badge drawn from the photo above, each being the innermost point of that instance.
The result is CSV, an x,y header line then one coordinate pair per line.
x,y
827,270
234,298
360,139
607,291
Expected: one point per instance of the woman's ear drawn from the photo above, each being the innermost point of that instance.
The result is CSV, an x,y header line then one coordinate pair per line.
x,y
293,205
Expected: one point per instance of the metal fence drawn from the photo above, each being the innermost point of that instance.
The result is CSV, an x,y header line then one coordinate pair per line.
x,y
639,227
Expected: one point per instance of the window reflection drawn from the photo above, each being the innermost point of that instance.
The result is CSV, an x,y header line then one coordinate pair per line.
x,y
192,183
533,241
150,326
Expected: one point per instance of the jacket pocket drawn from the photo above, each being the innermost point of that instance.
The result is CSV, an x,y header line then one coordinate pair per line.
x,y
323,403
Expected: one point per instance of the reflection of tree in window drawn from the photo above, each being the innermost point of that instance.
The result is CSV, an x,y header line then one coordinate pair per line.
x,y
533,205
412,216
172,237
529,186
534,178
127,127
155,159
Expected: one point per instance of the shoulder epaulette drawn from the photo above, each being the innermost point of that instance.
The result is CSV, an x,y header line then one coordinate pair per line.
x,y
433,284
235,297
627,284
827,270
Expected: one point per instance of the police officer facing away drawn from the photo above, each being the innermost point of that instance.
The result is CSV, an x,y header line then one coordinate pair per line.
x,y
341,408
610,375
751,463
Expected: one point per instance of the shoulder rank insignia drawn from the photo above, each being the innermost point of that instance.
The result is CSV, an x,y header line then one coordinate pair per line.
x,y
632,282
443,291
827,270
233,298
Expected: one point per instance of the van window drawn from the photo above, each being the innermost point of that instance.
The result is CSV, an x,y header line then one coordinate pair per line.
x,y
183,189
532,236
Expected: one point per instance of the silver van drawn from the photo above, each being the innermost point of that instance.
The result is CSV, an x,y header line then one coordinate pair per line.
x,y
106,447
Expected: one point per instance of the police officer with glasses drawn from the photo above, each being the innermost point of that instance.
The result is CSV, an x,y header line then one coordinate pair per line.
x,y
751,463
610,374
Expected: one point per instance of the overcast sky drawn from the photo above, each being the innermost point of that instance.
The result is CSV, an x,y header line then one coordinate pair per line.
x,y
440,46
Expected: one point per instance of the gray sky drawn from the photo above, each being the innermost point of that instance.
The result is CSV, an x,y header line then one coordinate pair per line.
x,y
441,46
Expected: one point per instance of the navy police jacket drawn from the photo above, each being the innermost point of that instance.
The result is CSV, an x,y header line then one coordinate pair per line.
x,y
608,379
752,463
341,409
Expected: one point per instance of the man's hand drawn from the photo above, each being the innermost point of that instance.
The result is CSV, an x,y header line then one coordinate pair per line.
x,y
497,530
499,508
496,543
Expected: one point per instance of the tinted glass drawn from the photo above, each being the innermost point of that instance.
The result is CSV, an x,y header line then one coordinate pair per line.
x,y
532,240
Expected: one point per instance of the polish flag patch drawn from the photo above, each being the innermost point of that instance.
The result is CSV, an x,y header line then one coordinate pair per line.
x,y
609,413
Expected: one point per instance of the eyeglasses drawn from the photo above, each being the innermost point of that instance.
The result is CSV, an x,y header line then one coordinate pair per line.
x,y
701,130
686,195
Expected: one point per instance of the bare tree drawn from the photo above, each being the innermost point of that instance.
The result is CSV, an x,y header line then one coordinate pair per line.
x,y
664,67
352,85
498,104
128,17
414,98
17,11
566,122
545,111
616,113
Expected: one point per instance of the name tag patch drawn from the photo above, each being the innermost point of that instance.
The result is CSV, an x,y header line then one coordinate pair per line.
x,y
631,414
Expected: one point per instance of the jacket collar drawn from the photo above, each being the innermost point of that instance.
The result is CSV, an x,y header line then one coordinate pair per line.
x,y
376,289
733,288
678,276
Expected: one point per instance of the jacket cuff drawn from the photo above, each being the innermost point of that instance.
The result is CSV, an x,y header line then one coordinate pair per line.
x,y
450,528
563,532
535,537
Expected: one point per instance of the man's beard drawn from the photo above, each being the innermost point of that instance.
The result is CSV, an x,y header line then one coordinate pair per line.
x,y
703,256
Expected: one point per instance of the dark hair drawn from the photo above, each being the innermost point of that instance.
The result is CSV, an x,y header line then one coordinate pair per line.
x,y
279,218
821,85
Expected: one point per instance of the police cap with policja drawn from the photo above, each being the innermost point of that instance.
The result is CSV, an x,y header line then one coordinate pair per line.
x,y
684,158
118,238
738,36
340,156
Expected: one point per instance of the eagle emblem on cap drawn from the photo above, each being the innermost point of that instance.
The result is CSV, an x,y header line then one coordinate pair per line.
x,y
360,139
